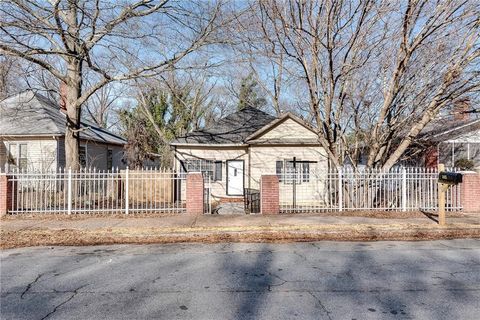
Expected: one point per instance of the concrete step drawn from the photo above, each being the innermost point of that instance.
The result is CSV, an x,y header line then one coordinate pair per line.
x,y
229,208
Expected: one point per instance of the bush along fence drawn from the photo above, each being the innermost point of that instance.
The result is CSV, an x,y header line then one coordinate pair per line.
x,y
165,191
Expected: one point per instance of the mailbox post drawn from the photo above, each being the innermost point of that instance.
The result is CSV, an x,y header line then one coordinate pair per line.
x,y
445,180
442,189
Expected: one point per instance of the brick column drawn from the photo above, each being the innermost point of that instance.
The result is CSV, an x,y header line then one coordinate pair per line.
x,y
269,195
6,194
195,193
471,192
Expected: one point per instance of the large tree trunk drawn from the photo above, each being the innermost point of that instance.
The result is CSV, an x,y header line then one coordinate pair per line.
x,y
72,134
74,87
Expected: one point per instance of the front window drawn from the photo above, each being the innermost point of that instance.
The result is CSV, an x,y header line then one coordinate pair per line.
x,y
209,168
17,156
22,156
288,172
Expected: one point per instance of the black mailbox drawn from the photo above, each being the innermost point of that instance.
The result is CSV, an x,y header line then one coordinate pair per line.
x,y
450,177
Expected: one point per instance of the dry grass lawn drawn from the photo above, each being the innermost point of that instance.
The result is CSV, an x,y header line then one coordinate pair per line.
x,y
73,237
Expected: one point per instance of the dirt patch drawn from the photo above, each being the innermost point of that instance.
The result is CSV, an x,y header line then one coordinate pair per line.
x,y
72,237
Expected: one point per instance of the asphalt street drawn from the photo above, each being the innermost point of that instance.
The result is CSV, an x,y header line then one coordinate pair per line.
x,y
322,280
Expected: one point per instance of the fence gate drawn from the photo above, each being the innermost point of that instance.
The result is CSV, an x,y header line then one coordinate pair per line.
x,y
251,200
207,195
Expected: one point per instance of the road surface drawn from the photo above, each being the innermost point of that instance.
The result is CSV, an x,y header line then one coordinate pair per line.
x,y
322,280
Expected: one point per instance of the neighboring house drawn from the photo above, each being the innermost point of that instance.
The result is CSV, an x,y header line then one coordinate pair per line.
x,y
237,150
449,140
32,137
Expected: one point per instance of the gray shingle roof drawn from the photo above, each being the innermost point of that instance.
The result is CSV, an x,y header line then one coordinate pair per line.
x,y
31,114
447,129
233,129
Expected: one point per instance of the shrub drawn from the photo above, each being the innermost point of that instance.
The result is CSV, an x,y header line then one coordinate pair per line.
x,y
465,164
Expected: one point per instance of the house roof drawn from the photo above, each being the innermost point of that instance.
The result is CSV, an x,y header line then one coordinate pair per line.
x,y
233,129
447,129
31,114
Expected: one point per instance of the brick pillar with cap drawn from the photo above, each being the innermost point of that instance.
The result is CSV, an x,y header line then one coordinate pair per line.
x,y
195,201
6,194
470,191
269,194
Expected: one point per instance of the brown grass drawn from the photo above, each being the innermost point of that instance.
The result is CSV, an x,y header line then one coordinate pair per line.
x,y
276,234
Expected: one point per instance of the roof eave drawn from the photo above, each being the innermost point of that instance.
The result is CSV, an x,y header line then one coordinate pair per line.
x,y
43,135
439,134
181,144
284,142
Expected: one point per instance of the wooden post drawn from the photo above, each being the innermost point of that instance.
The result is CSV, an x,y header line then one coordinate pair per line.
x,y
442,188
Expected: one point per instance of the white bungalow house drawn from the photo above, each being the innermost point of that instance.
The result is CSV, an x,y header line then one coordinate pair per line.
x,y
237,150
32,135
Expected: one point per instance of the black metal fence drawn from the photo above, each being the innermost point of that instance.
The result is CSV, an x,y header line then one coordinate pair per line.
x,y
252,200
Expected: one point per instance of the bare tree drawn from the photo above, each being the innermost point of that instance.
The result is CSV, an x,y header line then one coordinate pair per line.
x,y
376,73
113,41
8,76
102,106
166,107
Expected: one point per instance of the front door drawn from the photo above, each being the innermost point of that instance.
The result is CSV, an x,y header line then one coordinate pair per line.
x,y
235,177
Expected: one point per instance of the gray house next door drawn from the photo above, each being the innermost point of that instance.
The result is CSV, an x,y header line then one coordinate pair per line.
x,y
235,177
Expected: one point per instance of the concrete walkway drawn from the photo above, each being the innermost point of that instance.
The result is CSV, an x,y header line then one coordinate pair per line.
x,y
88,223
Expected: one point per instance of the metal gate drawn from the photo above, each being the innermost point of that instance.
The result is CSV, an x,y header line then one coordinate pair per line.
x,y
207,195
252,200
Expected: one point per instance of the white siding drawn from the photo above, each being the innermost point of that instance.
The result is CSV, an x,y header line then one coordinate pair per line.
x,y
41,153
264,157
284,141
259,160
219,188
288,130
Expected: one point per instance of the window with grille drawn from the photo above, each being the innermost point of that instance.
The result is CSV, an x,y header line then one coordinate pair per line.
x,y
209,168
287,173
17,156
22,156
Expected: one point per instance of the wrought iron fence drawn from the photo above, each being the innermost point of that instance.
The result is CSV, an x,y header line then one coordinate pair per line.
x,y
92,191
252,200
399,189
